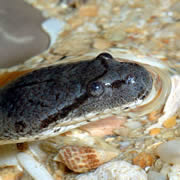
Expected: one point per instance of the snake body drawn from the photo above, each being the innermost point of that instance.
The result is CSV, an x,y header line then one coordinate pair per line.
x,y
38,104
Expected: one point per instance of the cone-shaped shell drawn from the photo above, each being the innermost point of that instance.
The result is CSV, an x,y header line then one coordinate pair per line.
x,y
84,158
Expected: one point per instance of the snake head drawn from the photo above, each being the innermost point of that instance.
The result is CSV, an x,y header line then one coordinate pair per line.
x,y
119,83
33,105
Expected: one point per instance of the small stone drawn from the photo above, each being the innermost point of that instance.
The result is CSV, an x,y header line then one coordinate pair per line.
x,y
143,160
170,151
153,175
153,116
122,131
155,131
170,122
120,170
133,124
10,173
88,10
75,22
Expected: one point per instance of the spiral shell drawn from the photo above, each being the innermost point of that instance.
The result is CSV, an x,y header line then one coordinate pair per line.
x,y
83,158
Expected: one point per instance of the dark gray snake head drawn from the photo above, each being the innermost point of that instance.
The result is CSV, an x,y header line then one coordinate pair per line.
x,y
50,96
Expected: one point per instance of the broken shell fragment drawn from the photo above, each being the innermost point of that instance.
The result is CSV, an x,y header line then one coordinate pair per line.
x,y
84,158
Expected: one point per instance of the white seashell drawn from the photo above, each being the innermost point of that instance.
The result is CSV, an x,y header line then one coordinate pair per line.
x,y
33,167
172,104
117,170
170,151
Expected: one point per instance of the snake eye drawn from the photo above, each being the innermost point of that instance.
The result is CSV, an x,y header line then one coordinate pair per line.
x,y
95,88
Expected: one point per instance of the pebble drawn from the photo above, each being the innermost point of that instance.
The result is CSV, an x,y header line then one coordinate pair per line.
x,y
153,175
143,160
10,173
170,151
133,124
117,170
170,122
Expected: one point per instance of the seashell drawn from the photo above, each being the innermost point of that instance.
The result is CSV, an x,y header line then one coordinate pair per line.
x,y
83,158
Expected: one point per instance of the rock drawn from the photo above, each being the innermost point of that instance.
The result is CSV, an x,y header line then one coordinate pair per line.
x,y
153,175
117,170
170,151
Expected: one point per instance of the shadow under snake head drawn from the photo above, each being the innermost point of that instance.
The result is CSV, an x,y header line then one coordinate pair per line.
x,y
34,104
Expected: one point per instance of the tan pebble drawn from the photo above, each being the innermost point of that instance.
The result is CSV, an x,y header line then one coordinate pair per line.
x,y
153,116
134,30
133,152
10,173
102,44
103,127
83,158
154,131
143,160
88,10
169,123
123,131
75,22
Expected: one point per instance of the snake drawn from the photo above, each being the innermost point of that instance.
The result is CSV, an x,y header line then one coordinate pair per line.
x,y
52,100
